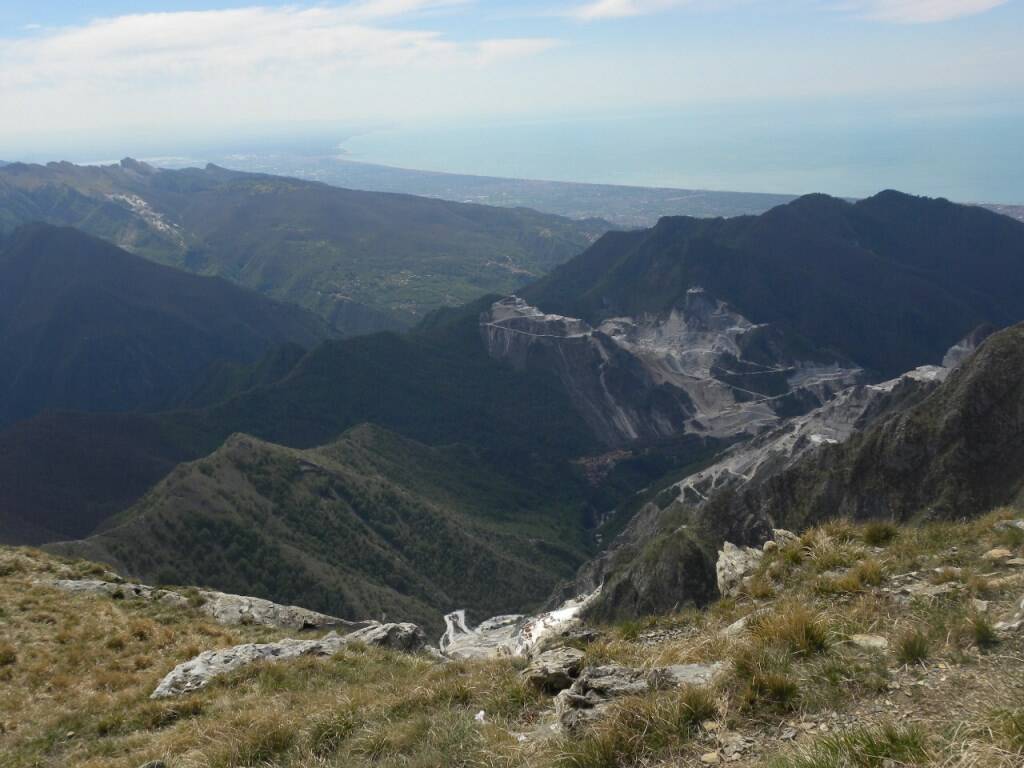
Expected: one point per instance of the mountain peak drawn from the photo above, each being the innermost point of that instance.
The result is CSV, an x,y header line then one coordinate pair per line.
x,y
131,164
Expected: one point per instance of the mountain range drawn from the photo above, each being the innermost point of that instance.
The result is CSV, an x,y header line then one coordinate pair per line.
x,y
761,347
364,261
625,207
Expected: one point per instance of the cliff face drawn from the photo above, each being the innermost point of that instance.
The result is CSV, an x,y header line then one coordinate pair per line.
x,y
701,368
956,454
920,443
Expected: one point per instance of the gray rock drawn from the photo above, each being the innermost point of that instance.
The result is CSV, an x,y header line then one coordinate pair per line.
x,y
197,673
1013,623
154,764
927,591
397,637
734,566
870,642
739,626
1004,524
597,687
678,675
119,590
555,670
576,634
782,537
238,609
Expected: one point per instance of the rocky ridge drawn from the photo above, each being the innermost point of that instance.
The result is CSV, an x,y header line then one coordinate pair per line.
x,y
669,545
222,607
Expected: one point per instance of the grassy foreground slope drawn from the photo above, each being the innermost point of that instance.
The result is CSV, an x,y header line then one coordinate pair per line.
x,y
369,524
936,687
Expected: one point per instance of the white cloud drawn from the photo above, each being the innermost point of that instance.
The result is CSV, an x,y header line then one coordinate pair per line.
x,y
250,64
898,11
367,10
614,9
920,11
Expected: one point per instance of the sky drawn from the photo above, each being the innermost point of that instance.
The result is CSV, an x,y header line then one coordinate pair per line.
x,y
81,78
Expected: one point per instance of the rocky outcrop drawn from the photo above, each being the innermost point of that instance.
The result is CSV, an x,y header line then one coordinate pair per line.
x,y
238,609
119,590
597,687
555,670
736,564
1014,622
396,637
700,369
199,672
957,453
667,556
221,607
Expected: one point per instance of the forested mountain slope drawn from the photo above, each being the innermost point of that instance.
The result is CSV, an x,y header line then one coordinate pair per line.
x,y
369,524
891,281
365,261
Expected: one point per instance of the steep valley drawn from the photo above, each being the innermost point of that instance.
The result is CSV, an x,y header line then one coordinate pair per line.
x,y
370,524
665,391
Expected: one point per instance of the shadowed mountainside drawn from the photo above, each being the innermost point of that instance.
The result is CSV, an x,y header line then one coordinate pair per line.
x,y
87,326
891,281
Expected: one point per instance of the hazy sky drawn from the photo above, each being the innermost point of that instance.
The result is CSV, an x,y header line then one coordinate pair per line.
x,y
79,71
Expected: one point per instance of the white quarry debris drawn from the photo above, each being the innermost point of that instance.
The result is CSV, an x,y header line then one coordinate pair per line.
x,y
199,672
510,635
146,212
692,349
830,424
222,607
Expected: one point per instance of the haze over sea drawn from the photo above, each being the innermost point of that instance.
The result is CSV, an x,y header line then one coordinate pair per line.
x,y
963,153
